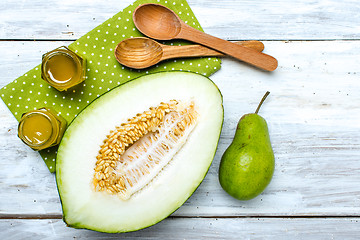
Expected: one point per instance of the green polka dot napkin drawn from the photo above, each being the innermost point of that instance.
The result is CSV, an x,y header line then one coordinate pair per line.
x,y
103,72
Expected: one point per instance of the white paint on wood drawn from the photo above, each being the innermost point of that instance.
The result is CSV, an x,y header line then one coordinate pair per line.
x,y
232,19
194,228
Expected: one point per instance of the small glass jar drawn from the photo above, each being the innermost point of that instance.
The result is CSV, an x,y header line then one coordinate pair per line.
x,y
62,68
41,128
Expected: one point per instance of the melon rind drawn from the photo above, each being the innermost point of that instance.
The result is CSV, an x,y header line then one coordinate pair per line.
x,y
83,207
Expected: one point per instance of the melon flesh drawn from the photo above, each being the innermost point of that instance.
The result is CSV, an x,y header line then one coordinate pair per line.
x,y
83,207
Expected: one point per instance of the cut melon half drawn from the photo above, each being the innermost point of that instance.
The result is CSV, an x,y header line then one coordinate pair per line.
x,y
137,153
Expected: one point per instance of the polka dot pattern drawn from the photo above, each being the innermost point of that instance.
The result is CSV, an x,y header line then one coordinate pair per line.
x,y
103,72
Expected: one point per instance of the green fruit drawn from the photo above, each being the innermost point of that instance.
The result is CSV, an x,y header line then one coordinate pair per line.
x,y
165,165
247,166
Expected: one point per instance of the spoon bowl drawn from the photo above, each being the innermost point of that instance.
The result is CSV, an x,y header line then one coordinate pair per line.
x,y
143,52
138,52
159,22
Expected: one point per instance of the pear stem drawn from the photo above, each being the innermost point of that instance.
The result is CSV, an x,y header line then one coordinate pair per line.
x,y
261,102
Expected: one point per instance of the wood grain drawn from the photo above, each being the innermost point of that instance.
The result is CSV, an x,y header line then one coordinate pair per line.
x,y
312,112
161,23
202,51
230,20
195,228
247,55
142,52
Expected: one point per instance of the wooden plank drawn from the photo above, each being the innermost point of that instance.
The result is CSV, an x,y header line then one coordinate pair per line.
x,y
195,228
231,19
313,116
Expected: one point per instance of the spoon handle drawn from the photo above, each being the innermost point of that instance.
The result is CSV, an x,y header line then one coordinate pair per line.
x,y
242,53
202,51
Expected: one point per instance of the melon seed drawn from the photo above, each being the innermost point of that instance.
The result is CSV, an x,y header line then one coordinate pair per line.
x,y
126,164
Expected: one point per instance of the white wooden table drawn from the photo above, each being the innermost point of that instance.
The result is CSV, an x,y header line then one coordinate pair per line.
x,y
313,114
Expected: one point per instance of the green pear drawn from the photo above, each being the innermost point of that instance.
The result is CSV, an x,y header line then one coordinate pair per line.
x,y
247,166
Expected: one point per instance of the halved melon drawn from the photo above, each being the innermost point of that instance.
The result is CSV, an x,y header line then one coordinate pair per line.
x,y
138,152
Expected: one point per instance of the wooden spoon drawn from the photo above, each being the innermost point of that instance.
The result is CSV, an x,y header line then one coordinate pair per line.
x,y
159,22
143,52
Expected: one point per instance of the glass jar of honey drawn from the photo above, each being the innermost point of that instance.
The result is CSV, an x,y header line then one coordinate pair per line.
x,y
62,68
41,128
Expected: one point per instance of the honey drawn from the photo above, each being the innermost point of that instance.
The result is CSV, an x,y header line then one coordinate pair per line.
x,y
42,128
62,68
37,129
